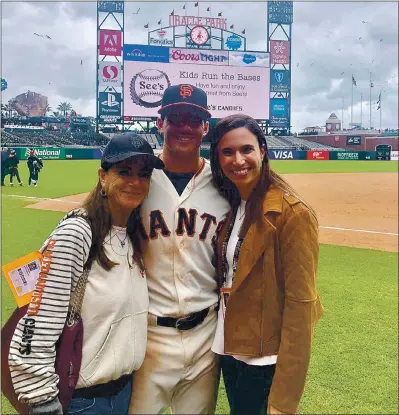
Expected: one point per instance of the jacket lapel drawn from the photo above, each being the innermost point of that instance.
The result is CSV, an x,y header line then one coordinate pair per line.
x,y
258,237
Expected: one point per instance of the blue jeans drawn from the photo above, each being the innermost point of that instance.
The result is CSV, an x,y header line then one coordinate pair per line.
x,y
116,404
247,386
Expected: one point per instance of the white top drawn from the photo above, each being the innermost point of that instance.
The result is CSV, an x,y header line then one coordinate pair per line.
x,y
178,251
114,313
218,342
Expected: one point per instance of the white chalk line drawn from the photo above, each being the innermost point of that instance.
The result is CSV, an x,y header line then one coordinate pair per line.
x,y
43,198
322,227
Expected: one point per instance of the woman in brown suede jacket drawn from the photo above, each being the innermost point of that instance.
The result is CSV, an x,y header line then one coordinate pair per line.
x,y
266,256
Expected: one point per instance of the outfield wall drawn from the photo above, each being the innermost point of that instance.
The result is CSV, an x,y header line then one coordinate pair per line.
x,y
94,153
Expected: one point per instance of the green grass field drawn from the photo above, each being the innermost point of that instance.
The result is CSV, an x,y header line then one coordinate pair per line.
x,y
355,352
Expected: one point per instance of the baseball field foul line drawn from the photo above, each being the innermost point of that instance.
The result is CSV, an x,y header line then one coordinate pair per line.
x,y
322,227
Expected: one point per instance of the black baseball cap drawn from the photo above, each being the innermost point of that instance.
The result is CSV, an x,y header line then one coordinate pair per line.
x,y
185,96
125,145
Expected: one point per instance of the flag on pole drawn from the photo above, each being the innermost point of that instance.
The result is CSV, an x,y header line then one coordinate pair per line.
x,y
219,14
208,9
173,12
160,22
353,81
371,84
379,98
146,25
243,32
196,4
184,7
232,26
379,106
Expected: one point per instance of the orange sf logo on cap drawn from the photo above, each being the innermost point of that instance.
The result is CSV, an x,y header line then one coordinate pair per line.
x,y
186,91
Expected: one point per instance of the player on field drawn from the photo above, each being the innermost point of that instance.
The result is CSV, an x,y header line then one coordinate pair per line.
x,y
180,217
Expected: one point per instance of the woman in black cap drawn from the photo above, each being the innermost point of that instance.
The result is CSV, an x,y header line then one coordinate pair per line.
x,y
98,240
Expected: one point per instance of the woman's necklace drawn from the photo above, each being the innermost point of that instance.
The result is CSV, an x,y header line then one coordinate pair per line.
x,y
121,241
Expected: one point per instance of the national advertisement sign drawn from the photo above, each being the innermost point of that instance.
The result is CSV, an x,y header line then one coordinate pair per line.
x,y
278,112
353,140
198,57
45,153
161,37
261,59
110,42
230,89
110,106
109,74
144,53
279,52
279,80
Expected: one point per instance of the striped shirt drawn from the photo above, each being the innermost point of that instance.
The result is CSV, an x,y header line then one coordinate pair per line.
x,y
32,351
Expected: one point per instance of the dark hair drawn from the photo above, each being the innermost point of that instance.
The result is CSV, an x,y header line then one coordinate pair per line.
x,y
254,205
99,218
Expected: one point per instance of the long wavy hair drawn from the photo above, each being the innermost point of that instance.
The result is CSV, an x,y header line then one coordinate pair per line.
x,y
254,205
99,217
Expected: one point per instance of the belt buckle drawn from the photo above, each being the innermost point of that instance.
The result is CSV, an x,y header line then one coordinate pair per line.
x,y
180,321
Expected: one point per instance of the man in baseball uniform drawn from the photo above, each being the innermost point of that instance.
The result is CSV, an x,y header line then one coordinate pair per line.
x,y
179,219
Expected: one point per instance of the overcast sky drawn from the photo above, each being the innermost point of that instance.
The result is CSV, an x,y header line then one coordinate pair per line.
x,y
330,42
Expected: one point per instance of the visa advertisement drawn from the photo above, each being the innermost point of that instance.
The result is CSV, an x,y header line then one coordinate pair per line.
x,y
230,89
278,112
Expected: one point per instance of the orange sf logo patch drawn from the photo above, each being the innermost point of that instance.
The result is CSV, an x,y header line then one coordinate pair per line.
x,y
186,91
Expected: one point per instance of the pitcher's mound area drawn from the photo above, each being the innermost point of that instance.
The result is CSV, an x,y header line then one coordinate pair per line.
x,y
349,203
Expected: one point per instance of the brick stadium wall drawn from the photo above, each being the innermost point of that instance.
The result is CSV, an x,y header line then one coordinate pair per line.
x,y
368,142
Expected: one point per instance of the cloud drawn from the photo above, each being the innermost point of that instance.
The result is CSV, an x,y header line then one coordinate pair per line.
x,y
326,51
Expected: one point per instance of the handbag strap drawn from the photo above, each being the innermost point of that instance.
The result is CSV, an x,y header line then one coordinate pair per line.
x,y
76,301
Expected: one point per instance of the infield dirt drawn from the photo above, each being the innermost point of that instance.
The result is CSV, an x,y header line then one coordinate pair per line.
x,y
353,201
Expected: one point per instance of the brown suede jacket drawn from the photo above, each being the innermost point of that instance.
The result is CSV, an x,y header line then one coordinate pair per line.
x,y
274,304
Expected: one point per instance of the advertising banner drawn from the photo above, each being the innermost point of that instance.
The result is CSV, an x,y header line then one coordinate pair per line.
x,y
229,89
279,80
353,140
249,59
279,52
197,57
233,42
287,155
79,153
109,74
110,107
110,42
45,153
318,155
161,37
280,12
143,53
278,112
395,155
110,6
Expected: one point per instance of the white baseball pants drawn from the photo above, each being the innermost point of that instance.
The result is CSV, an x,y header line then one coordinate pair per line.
x,y
179,371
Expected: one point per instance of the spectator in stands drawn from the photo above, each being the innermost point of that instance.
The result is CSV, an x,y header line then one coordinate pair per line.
x,y
4,171
266,258
12,162
34,165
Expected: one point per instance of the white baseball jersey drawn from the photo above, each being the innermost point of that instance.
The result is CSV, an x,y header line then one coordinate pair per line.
x,y
178,253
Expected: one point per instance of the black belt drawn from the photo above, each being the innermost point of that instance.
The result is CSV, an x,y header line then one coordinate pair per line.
x,y
105,389
184,323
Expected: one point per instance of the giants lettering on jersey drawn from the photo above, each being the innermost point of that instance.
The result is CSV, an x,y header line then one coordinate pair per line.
x,y
186,223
